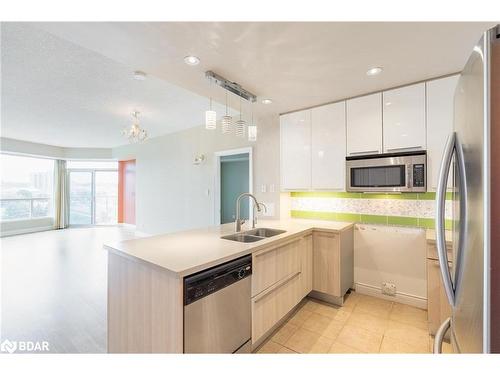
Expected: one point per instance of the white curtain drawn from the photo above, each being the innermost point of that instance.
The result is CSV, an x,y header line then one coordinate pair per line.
x,y
61,207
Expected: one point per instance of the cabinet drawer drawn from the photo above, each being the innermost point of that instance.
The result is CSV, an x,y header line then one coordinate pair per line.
x,y
274,264
326,263
270,306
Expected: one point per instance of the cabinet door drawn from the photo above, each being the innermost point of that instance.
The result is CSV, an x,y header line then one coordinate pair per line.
x,y
440,99
306,265
326,263
295,132
274,264
404,118
364,125
438,308
269,307
328,147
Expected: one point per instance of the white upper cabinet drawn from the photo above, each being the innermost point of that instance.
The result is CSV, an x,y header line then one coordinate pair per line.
x,y
295,133
440,98
404,118
364,125
328,147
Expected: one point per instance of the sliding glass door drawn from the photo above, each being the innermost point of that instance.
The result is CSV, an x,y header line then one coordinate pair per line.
x,y
93,197
106,197
80,197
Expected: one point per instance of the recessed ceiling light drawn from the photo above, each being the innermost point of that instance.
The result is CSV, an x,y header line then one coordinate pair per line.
x,y
374,71
140,76
266,101
191,60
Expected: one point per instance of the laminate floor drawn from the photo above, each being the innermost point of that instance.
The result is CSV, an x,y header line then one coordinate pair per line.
x,y
363,325
53,287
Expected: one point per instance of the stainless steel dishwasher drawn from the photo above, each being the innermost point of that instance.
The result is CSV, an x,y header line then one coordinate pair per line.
x,y
217,310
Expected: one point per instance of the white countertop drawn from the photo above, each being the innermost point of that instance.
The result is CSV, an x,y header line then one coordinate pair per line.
x,y
191,251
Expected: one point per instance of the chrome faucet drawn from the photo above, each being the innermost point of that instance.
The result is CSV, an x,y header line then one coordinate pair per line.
x,y
239,221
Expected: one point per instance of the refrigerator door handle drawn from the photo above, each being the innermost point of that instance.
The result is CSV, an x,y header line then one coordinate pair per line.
x,y
440,216
438,339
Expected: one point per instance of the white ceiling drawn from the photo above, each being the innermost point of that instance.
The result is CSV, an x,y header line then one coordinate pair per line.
x,y
58,93
76,89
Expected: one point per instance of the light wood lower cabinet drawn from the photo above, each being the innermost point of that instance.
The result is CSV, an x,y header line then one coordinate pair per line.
x,y
284,274
306,265
275,263
333,262
438,308
273,304
326,262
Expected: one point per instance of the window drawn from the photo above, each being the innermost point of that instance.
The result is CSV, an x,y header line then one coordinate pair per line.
x,y
93,192
27,187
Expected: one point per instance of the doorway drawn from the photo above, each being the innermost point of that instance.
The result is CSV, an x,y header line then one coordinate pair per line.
x,y
234,176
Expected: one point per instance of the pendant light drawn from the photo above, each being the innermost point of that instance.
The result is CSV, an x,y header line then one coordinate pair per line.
x,y
252,130
227,121
240,125
210,115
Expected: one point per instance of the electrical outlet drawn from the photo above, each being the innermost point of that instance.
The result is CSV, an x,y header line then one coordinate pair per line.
x,y
388,288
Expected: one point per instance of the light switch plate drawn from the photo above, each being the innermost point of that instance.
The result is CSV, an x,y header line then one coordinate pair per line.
x,y
263,188
271,188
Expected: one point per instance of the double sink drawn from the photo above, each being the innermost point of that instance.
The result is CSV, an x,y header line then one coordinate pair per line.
x,y
253,235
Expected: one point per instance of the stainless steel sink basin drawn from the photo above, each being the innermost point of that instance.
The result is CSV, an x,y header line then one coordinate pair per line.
x,y
264,232
242,237
253,235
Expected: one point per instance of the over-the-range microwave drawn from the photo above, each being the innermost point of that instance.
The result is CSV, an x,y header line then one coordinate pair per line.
x,y
387,173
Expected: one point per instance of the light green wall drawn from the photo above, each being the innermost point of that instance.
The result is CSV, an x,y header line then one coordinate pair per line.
x,y
234,181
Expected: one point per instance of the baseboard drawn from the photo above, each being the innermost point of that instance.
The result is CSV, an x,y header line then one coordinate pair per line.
x,y
25,231
407,299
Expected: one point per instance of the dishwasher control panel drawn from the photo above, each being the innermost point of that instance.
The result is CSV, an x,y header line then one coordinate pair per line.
x,y
209,281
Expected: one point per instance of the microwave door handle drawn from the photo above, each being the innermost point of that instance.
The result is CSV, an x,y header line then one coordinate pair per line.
x,y
440,216
438,339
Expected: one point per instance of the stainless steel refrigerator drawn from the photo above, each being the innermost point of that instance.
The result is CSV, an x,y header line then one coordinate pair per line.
x,y
467,153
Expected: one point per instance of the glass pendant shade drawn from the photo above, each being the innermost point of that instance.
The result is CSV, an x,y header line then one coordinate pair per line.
x,y
227,124
210,120
240,128
252,133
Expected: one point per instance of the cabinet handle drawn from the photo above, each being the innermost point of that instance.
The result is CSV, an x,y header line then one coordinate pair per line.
x,y
438,339
364,152
276,286
278,246
405,148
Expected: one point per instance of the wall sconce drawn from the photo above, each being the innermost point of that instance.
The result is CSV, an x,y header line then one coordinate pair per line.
x,y
198,159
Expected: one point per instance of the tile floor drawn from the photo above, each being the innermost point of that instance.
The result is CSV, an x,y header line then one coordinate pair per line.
x,y
363,325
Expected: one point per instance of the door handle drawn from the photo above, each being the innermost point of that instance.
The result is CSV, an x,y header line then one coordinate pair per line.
x,y
440,216
364,152
405,148
438,339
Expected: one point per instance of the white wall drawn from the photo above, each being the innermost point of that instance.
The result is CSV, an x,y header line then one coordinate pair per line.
x,y
172,194
392,254
15,146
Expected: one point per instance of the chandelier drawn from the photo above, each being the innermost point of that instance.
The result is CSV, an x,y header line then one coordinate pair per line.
x,y
134,133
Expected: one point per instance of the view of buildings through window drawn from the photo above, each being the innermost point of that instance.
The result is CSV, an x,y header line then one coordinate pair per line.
x,y
27,190
93,192
27,187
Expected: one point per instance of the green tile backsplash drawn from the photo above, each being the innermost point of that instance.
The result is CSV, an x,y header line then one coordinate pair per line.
x,y
410,209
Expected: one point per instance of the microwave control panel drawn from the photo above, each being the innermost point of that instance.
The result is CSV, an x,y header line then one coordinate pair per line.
x,y
418,175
